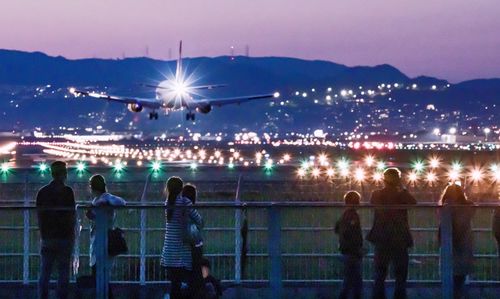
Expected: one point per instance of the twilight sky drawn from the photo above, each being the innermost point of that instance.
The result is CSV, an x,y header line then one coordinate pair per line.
x,y
452,39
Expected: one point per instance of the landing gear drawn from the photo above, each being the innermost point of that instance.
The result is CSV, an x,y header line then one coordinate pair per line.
x,y
153,115
190,116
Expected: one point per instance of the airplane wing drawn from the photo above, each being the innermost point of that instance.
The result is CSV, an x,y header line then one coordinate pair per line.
x,y
199,87
238,100
147,103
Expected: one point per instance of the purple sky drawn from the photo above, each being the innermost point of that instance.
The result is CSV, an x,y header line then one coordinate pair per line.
x,y
452,39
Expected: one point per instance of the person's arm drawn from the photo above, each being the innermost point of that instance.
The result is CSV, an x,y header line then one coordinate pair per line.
x,y
194,215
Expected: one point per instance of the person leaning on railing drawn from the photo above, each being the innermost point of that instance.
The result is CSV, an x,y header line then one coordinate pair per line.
x,y
462,236
56,213
176,255
390,234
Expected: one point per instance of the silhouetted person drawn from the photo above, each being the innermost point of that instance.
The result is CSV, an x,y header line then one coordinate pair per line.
x,y
462,236
348,227
189,192
496,228
176,255
390,234
56,219
101,197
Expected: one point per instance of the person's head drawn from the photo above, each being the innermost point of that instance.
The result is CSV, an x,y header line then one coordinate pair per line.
x,y
453,194
59,170
392,177
189,191
205,267
352,198
173,189
97,184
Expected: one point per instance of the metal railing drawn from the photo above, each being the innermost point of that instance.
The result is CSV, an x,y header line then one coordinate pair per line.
x,y
287,243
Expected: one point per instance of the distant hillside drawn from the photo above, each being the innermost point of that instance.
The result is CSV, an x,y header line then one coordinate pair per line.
x,y
25,107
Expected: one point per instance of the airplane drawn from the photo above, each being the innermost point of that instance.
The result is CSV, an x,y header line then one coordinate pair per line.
x,y
174,94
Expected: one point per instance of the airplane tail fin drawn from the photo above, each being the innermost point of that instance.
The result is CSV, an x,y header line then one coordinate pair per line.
x,y
178,71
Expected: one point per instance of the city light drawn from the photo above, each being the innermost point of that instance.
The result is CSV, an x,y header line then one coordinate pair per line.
x,y
330,172
316,172
454,175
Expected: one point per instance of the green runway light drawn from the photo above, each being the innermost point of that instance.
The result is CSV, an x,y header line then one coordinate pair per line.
x,y
380,165
305,165
230,166
156,166
193,166
456,166
4,168
80,166
43,167
269,165
119,167
418,166
343,164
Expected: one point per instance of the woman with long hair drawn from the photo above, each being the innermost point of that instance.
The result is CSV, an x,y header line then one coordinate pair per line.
x,y
462,236
176,255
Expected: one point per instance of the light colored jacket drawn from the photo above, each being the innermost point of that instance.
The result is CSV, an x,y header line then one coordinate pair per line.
x,y
106,199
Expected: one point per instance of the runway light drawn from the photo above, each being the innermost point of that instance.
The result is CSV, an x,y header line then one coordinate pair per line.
x,y
301,172
4,168
269,164
380,165
330,172
359,174
156,166
431,177
343,164
412,177
80,166
418,166
476,174
456,166
193,166
369,160
276,95
434,162
42,167
230,165
118,167
377,177
453,175
315,172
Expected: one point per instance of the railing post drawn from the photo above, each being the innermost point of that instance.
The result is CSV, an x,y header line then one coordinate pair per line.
x,y
446,253
142,245
26,235
237,235
274,247
101,249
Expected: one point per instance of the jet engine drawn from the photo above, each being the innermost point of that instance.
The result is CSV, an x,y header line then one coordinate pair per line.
x,y
206,108
135,107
